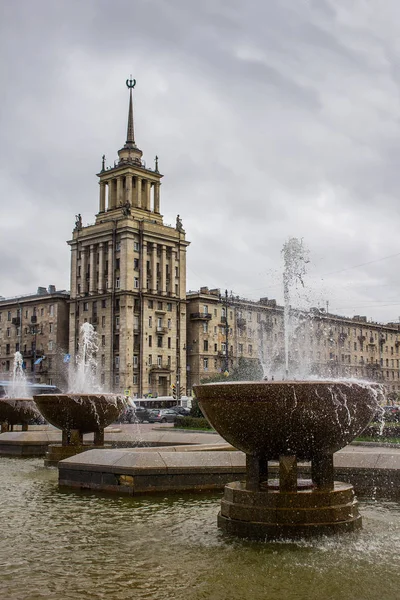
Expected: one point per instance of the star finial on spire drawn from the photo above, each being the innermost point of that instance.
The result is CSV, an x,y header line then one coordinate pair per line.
x,y
130,136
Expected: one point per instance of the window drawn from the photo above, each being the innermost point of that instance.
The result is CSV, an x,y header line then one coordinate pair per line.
x,y
103,360
205,345
8,332
50,327
136,264
205,364
169,306
159,305
169,323
116,360
86,306
136,283
176,272
51,310
7,348
215,347
150,360
9,315
250,349
240,348
136,246
150,321
205,327
50,345
103,340
150,341
117,264
159,361
118,246
116,380
104,304
176,289
135,380
223,347
41,312
150,304
116,322
103,321
102,378
169,343
205,309
136,360
159,341
117,283
159,322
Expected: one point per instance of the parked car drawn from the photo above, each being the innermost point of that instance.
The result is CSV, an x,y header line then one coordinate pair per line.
x,y
181,410
164,415
134,415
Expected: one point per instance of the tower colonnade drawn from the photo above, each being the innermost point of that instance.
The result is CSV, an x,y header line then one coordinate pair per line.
x,y
135,191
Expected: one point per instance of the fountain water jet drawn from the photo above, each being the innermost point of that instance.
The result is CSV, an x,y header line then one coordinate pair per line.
x,y
18,408
86,408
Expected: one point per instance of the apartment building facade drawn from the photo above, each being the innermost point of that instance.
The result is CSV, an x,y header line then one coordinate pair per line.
x,y
128,278
37,326
223,329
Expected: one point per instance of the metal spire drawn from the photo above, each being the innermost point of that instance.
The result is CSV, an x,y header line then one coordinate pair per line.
x,y
130,136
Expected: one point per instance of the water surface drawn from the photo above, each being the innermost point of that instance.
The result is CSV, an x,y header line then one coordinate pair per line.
x,y
67,545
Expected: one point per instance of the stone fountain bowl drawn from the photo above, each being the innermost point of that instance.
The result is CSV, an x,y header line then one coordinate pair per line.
x,y
85,412
18,411
302,418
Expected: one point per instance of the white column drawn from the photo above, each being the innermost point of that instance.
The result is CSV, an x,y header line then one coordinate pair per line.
x,y
101,268
163,266
110,273
154,268
128,189
157,197
147,194
139,191
144,266
83,270
102,206
119,200
92,263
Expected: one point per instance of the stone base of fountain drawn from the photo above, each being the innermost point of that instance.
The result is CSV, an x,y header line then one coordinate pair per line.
x,y
57,452
271,513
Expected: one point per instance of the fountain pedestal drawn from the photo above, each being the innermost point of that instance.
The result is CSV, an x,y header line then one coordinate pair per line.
x,y
288,421
272,513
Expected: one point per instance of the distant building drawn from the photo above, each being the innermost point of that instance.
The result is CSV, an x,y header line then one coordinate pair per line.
x,y
37,326
128,278
222,330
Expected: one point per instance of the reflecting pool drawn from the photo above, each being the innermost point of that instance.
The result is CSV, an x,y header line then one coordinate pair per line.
x,y
57,544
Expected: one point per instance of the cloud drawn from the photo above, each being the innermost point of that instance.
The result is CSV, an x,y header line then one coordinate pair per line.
x,y
270,120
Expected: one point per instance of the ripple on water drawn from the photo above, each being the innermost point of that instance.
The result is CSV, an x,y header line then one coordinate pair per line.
x,y
69,545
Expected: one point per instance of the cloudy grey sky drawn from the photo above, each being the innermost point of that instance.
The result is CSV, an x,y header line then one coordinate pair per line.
x,y
271,119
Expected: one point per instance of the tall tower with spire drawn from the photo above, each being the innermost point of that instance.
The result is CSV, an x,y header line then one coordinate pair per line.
x,y
128,278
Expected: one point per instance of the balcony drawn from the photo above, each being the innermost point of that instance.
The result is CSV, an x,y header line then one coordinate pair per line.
x,y
163,368
34,319
200,316
266,325
241,323
162,330
16,321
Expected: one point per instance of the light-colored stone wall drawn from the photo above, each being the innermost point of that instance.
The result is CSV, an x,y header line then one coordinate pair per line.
x,y
43,320
326,345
